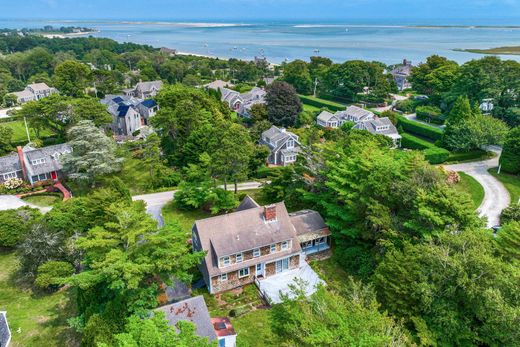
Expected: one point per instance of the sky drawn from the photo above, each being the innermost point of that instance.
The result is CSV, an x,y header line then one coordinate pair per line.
x,y
249,10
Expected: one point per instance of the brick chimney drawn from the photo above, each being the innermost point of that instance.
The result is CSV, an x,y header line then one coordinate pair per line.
x,y
270,213
19,149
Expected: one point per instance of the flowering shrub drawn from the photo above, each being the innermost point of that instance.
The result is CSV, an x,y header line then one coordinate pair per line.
x,y
13,183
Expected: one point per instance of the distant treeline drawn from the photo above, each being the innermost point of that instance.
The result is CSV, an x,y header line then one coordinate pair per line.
x,y
49,29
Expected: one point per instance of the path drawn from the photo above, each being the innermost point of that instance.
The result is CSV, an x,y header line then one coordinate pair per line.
x,y
496,196
3,111
413,117
12,202
156,201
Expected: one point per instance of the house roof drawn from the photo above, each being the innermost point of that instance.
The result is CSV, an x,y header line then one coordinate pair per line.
x,y
218,84
24,94
10,163
223,327
326,116
371,126
38,86
5,332
192,310
307,221
275,134
357,112
148,86
244,230
247,203
51,155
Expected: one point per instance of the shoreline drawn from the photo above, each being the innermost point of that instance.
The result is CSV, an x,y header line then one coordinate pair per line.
x,y
63,36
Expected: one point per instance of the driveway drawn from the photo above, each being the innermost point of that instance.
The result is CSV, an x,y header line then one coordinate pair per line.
x,y
11,202
496,196
3,111
413,117
156,201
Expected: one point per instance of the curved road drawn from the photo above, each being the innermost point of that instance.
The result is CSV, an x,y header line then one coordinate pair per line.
x,y
496,196
156,201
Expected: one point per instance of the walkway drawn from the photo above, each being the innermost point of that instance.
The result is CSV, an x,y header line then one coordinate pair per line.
x,y
12,202
156,201
413,117
496,196
273,286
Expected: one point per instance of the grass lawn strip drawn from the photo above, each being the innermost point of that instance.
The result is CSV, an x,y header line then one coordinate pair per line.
x,y
511,182
471,186
43,200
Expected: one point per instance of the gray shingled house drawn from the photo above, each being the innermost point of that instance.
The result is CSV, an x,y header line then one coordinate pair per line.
x,y
284,146
144,90
129,113
33,92
255,243
351,114
381,126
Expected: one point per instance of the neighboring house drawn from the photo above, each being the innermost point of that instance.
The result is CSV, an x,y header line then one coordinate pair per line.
x,y
144,90
253,97
129,113
34,164
240,103
194,310
381,126
232,98
401,73
33,92
169,51
283,145
487,106
255,243
351,114
5,332
216,85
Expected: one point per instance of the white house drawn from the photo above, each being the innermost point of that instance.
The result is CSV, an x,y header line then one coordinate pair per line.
x,y
33,92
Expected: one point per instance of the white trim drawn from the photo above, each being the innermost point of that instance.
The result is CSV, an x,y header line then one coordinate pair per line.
x,y
241,257
224,277
9,175
243,269
255,251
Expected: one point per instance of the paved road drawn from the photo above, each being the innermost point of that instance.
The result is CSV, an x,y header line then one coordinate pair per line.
x,y
156,201
11,202
496,195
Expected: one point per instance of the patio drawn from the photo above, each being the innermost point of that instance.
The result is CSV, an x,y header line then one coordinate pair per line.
x,y
273,286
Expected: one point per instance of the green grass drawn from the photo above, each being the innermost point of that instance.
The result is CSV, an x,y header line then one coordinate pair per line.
x,y
511,182
254,329
43,200
464,157
330,271
19,133
184,218
40,318
310,108
470,185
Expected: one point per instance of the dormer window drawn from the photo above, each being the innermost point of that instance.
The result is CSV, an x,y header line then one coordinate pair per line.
x,y
38,161
290,143
273,248
239,257
226,261
285,245
256,252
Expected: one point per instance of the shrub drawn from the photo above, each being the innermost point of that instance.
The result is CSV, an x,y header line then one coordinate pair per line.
x,y
419,129
412,142
14,224
52,273
308,100
266,171
406,106
462,156
510,158
239,311
510,214
436,155
430,114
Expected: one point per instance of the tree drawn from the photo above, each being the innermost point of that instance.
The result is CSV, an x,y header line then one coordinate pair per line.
x,y
10,100
296,73
435,77
259,112
156,332
6,138
71,78
453,290
329,319
510,214
15,224
52,274
508,240
510,157
93,155
283,104
390,115
230,159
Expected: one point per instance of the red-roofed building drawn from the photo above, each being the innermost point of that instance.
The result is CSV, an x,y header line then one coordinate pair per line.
x,y
227,337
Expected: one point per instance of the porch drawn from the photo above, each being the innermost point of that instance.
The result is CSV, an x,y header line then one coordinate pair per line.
x,y
316,245
273,286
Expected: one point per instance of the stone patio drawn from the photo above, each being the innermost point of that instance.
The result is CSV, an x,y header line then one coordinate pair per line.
x,y
273,286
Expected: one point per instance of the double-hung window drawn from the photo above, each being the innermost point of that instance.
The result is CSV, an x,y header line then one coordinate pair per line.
x,y
273,248
226,261
290,143
240,257
10,175
243,272
285,245
223,278
256,252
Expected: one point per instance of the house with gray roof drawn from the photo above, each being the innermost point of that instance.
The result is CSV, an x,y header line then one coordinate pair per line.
x,y
129,113
144,90
241,103
351,114
33,92
401,73
34,164
253,97
194,310
284,146
255,243
5,332
381,126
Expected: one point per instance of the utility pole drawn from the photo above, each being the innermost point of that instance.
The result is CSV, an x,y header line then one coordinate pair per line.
x,y
315,85
499,167
27,130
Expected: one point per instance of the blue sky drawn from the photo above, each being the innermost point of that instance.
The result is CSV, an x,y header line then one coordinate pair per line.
x,y
247,10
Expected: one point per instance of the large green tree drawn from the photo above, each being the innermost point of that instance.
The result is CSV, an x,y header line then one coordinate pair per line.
x,y
510,157
508,240
435,77
283,104
71,78
296,73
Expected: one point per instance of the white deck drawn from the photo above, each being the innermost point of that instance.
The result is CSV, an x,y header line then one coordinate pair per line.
x,y
274,285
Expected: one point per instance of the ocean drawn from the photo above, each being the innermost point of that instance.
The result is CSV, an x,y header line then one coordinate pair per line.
x,y
388,42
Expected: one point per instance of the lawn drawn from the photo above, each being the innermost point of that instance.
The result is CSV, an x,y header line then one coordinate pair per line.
x,y
511,182
470,185
310,108
43,200
19,133
184,218
35,319
330,271
254,329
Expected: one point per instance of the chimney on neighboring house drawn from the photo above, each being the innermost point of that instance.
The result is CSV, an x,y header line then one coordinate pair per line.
x,y
270,213
19,149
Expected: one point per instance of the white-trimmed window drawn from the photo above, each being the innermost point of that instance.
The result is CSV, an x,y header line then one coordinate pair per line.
x,y
223,278
256,252
290,143
285,245
38,161
273,248
307,244
321,241
243,272
10,175
226,261
240,257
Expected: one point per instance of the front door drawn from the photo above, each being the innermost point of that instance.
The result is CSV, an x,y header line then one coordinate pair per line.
x,y
54,176
282,265
259,269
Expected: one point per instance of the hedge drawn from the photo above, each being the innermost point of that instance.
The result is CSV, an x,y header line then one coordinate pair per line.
x,y
412,142
463,156
10,119
430,114
320,103
436,155
419,129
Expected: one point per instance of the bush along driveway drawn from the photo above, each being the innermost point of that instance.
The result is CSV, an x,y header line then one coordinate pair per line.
x,y
496,196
